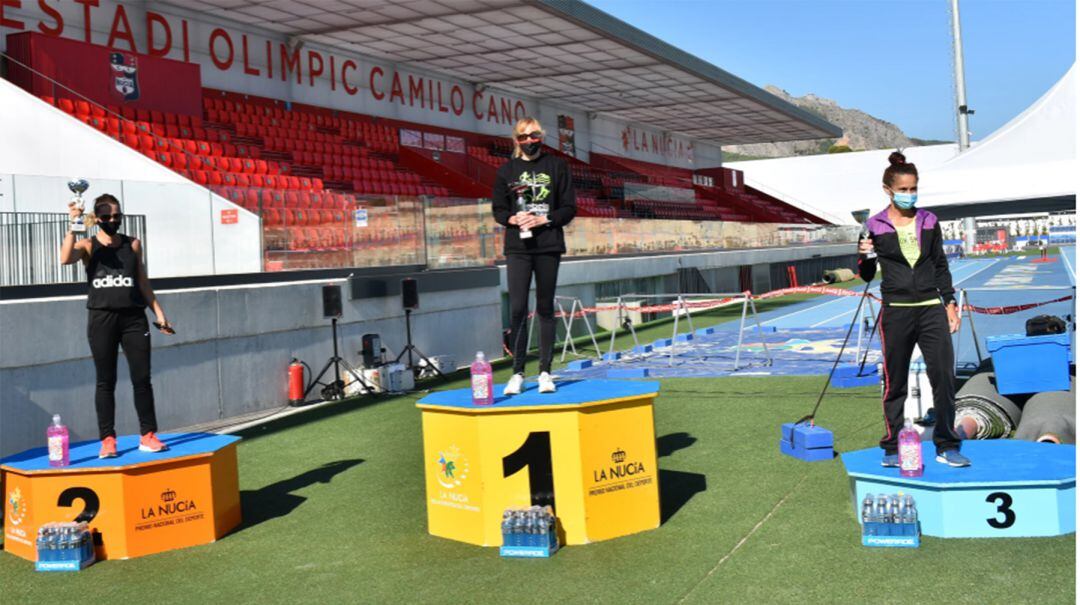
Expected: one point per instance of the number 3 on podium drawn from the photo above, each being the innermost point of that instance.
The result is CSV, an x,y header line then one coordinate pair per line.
x,y
535,454
1004,502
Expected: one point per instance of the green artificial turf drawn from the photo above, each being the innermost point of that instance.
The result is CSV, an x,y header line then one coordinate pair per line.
x,y
333,504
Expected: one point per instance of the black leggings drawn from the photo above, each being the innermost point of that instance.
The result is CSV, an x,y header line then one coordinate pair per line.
x,y
901,329
519,271
128,328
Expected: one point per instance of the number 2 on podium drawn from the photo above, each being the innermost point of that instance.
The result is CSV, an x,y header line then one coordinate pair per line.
x,y
535,453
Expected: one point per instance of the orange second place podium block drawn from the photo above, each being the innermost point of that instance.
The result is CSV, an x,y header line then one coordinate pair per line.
x,y
589,450
135,504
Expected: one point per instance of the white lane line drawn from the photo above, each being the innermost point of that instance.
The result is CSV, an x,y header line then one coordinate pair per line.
x,y
852,310
844,314
980,270
786,315
965,264
1069,271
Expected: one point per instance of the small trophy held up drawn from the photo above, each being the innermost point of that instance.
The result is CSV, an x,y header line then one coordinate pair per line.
x,y
861,216
78,187
521,206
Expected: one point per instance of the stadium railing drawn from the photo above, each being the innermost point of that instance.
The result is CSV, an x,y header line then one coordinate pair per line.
x,y
193,233
30,247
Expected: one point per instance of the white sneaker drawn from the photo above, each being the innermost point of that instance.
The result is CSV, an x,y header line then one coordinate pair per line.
x,y
547,385
513,386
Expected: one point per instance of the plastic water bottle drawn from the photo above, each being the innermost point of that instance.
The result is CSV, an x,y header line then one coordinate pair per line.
x,y
57,438
882,510
868,509
482,381
911,514
911,464
507,526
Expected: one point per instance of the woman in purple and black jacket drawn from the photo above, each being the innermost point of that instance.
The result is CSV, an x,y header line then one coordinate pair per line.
x,y
918,308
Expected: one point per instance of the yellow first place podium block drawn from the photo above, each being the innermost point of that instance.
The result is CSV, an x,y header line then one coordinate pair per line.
x,y
589,450
135,504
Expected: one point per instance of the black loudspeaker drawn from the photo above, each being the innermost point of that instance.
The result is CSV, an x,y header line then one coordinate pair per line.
x,y
371,350
410,296
331,301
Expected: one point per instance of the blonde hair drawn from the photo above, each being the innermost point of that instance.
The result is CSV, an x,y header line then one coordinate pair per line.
x,y
521,127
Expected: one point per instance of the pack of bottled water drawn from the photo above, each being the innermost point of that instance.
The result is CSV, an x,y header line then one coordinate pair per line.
x,y
890,520
64,547
529,532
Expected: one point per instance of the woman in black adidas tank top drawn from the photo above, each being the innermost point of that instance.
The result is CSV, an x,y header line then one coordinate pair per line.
x,y
118,295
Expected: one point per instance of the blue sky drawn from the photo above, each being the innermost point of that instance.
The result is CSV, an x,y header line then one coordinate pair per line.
x,y
889,58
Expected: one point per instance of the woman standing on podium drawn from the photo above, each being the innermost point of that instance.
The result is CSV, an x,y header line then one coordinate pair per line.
x,y
918,307
119,293
534,200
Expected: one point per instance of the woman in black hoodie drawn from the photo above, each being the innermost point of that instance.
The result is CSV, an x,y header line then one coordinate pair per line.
x,y
534,200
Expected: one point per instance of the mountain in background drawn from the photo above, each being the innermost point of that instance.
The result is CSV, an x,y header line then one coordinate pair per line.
x,y
861,132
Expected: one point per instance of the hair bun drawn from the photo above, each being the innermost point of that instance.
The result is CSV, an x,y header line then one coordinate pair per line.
x,y
896,158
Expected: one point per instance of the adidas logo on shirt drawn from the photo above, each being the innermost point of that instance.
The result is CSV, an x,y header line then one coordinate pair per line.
x,y
112,281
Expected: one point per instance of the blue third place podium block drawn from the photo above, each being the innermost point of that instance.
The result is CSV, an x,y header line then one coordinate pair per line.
x,y
805,442
1013,489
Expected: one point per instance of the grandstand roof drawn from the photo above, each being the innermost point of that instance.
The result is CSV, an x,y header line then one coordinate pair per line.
x,y
589,59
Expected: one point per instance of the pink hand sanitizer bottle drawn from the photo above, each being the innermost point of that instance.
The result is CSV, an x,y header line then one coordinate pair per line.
x,y
911,464
482,381
57,436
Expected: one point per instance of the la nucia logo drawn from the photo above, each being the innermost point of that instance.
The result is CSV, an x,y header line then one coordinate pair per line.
x,y
112,281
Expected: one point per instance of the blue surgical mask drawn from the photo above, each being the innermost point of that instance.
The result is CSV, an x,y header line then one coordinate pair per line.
x,y
905,201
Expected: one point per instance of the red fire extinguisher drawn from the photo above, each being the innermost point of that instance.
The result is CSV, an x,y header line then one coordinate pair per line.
x,y
296,382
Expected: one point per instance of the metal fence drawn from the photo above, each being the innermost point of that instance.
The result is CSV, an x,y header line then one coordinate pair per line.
x,y
30,247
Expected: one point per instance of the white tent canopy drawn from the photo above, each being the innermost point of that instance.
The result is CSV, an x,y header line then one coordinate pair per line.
x,y
1031,157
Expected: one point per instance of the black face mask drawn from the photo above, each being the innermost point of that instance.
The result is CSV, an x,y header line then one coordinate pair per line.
x,y
531,149
109,227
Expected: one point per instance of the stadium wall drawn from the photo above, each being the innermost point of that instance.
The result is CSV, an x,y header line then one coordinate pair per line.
x,y
229,355
243,59
44,148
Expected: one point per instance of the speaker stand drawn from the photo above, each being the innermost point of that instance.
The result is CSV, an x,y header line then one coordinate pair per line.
x,y
410,348
335,389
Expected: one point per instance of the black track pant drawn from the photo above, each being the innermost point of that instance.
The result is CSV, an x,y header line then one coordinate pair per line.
x,y
520,269
901,329
106,329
